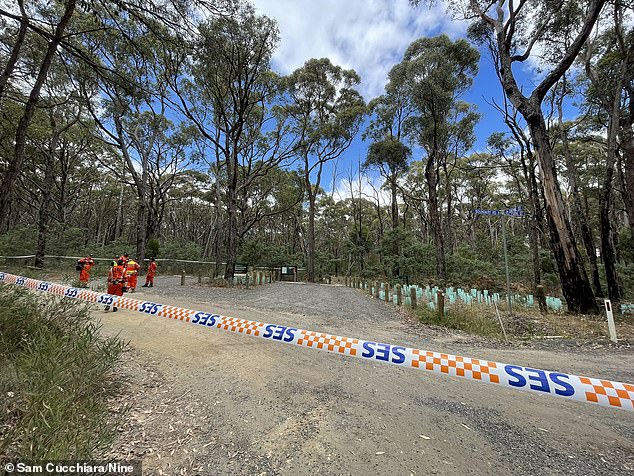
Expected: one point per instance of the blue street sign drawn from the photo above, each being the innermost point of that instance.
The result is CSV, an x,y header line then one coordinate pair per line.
x,y
477,211
517,211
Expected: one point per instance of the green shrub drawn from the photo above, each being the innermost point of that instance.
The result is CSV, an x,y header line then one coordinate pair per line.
x,y
185,251
153,248
56,376
19,241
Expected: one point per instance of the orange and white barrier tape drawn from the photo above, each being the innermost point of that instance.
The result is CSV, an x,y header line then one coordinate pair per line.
x,y
602,392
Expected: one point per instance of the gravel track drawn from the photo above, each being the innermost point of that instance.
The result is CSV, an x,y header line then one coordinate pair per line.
x,y
209,402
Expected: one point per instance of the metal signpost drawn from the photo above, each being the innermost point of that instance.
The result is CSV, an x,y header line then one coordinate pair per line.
x,y
515,212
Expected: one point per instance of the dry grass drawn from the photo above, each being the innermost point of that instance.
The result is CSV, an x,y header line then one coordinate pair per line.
x,y
527,323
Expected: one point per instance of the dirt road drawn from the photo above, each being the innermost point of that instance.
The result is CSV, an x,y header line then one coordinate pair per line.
x,y
210,402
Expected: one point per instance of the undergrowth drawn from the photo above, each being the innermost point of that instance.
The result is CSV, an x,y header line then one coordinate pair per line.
x,y
464,319
56,376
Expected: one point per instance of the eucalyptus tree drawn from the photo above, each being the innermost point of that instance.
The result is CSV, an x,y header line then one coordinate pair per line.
x,y
391,157
387,152
435,73
129,105
514,29
66,28
522,150
609,67
325,112
57,30
477,189
226,88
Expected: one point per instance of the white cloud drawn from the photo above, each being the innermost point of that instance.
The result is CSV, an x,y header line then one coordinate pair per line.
x,y
369,36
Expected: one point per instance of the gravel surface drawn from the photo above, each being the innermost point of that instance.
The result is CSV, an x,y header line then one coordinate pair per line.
x,y
209,402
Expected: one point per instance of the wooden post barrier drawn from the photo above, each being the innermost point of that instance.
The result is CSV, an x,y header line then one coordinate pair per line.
x,y
183,278
540,295
441,304
399,296
412,295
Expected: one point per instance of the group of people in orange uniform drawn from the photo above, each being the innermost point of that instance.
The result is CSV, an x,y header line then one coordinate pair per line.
x,y
123,274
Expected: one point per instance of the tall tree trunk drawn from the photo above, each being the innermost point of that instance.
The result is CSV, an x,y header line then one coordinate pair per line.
x,y
311,190
310,265
397,245
605,197
578,211
141,227
574,281
431,176
119,217
627,147
232,216
15,164
44,214
536,218
394,190
15,51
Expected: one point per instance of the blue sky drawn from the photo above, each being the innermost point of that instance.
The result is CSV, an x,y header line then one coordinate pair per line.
x,y
371,36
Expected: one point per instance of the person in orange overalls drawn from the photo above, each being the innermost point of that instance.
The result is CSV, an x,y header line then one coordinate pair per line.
x,y
132,274
116,278
125,259
84,275
151,271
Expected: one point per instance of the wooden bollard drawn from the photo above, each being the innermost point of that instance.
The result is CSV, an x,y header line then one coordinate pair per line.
x,y
183,278
540,295
200,277
387,292
346,281
399,297
412,295
441,304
